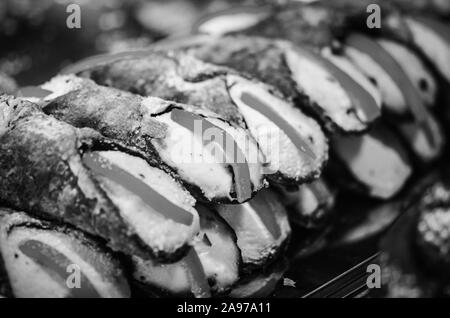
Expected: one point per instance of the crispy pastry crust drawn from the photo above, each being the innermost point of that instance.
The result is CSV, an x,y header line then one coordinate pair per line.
x,y
171,76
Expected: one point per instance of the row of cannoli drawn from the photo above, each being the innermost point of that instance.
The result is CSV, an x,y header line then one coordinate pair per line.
x,y
236,98
47,260
115,147
126,201
397,72
426,138
276,122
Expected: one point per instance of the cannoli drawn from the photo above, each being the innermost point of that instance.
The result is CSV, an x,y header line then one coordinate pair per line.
x,y
261,227
294,144
412,22
181,138
334,98
427,140
376,163
105,188
211,267
44,260
236,52
398,72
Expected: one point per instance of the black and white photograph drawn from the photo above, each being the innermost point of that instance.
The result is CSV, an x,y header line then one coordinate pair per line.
x,y
241,152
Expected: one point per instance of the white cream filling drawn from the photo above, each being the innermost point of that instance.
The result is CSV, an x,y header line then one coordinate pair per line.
x,y
322,88
151,226
170,277
248,146
155,178
414,68
27,277
348,67
373,163
281,154
254,239
196,163
223,24
389,90
220,260
432,44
